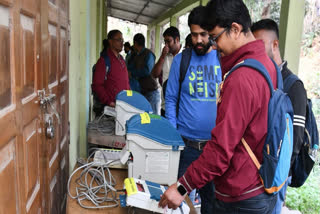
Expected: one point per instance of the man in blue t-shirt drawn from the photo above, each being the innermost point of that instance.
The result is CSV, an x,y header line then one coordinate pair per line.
x,y
196,113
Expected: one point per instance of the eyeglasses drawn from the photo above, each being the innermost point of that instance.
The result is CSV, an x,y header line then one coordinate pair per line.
x,y
119,40
213,39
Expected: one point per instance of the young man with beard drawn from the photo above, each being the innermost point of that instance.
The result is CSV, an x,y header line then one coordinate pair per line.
x,y
192,108
242,113
161,69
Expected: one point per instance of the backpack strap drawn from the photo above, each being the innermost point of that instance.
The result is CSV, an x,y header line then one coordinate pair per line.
x,y
289,81
279,75
252,63
251,154
184,65
256,65
107,62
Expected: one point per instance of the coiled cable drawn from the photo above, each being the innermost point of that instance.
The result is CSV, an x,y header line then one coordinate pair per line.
x,y
95,184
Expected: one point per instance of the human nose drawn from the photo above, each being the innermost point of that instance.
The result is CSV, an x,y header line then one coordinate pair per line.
x,y
199,39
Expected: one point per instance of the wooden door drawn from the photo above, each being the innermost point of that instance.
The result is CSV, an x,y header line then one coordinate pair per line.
x,y
55,43
33,169
20,115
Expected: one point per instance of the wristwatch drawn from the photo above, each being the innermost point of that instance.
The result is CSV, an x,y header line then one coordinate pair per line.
x,y
181,189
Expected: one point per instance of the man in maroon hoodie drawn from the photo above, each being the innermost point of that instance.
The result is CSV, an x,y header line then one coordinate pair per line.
x,y
242,112
110,77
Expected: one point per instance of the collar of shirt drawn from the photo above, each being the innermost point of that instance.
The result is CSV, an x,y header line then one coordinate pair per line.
x,y
282,64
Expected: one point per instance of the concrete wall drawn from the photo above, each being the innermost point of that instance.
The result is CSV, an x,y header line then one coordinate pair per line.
x,y
87,32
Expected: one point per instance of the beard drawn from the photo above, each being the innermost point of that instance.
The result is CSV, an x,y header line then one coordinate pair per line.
x,y
203,50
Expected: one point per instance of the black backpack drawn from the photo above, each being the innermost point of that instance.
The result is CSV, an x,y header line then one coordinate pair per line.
x,y
303,163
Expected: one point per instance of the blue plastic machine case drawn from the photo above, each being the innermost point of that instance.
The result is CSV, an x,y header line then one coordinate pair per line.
x,y
136,100
159,129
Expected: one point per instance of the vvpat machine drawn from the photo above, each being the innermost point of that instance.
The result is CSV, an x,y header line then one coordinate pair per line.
x,y
152,149
129,103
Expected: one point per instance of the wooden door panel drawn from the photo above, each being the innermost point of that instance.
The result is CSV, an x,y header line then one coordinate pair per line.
x,y
31,6
64,121
5,75
8,178
9,181
53,12
35,207
31,149
30,108
53,60
7,127
55,194
63,55
28,55
29,72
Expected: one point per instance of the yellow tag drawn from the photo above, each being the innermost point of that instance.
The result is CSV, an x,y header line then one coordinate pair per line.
x,y
130,185
129,93
145,118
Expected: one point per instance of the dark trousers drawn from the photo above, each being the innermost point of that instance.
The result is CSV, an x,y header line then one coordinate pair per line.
x,y
260,204
207,195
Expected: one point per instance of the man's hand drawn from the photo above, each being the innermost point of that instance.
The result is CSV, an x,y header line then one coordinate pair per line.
x,y
165,51
171,198
112,104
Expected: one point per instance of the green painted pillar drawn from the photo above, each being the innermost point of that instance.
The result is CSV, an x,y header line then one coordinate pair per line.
x,y
104,21
204,2
99,27
157,41
148,37
173,21
74,85
84,80
291,29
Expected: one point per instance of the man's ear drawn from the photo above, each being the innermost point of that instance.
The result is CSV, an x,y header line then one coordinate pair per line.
x,y
236,29
275,44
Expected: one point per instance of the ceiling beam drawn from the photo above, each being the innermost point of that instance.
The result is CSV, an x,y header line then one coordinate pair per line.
x,y
130,20
144,7
133,12
162,4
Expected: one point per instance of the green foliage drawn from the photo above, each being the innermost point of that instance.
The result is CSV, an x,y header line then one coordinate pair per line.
x,y
256,8
306,199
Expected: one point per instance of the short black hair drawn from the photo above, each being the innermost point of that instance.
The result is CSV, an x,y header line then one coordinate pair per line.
x,y
223,13
173,32
139,39
266,24
110,35
196,16
127,44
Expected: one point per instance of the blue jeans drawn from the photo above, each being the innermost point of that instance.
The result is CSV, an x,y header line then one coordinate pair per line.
x,y
155,100
207,195
281,197
260,204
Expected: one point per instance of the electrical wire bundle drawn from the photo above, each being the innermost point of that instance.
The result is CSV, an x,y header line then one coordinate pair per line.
x,y
95,184
105,125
